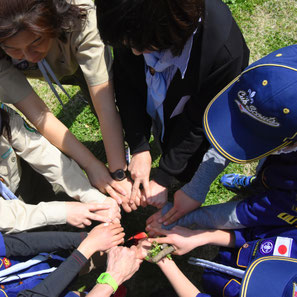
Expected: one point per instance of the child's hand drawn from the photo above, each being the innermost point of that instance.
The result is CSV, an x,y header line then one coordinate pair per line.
x,y
152,223
183,204
81,214
183,239
102,238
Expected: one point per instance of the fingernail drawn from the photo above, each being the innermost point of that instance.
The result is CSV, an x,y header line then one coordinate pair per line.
x,y
148,226
165,223
105,224
160,221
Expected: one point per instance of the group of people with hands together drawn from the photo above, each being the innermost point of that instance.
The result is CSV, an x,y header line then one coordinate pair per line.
x,y
174,69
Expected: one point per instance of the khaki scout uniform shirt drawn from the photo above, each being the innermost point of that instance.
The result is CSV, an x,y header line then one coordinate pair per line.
x,y
83,49
47,160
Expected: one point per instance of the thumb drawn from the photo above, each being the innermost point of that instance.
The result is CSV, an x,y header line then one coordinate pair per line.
x,y
97,206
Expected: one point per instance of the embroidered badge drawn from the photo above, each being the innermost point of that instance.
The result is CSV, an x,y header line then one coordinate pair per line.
x,y
6,262
294,290
266,247
283,246
245,105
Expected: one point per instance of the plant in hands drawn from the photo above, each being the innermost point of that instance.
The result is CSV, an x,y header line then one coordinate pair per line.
x,y
102,238
183,204
159,195
183,239
140,168
81,214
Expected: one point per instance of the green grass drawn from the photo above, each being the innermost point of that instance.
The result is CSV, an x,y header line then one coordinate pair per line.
x,y
267,25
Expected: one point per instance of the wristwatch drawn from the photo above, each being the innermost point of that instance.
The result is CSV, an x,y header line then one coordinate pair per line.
x,y
119,174
106,278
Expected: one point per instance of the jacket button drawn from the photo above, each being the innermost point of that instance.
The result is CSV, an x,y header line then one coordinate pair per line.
x,y
246,245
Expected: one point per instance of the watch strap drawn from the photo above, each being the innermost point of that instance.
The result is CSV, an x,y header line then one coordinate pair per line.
x,y
106,278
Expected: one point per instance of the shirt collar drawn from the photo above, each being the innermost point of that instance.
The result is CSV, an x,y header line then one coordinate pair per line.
x,y
181,61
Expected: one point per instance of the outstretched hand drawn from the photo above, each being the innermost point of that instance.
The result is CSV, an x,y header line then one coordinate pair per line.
x,y
81,214
181,238
183,204
102,238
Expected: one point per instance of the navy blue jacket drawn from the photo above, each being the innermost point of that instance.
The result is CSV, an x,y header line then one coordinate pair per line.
x,y
251,244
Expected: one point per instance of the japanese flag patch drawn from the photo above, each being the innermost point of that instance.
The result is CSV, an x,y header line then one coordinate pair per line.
x,y
283,246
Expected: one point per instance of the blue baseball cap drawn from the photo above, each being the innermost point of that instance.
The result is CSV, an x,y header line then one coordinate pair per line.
x,y
273,276
256,114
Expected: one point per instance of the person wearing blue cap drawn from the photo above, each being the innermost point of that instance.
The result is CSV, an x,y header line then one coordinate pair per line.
x,y
251,118
257,261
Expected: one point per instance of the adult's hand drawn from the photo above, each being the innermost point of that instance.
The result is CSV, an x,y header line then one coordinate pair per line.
x,y
140,168
102,238
183,204
127,203
81,214
159,195
100,178
122,263
113,213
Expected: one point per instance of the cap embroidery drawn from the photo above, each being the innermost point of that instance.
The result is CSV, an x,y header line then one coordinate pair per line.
x,y
245,106
264,82
278,55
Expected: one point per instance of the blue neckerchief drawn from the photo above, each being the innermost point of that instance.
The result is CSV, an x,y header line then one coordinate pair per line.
x,y
158,79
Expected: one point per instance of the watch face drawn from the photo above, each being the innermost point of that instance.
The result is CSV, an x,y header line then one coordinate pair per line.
x,y
119,174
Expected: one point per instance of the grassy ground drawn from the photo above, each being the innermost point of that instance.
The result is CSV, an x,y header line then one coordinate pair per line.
x,y
267,25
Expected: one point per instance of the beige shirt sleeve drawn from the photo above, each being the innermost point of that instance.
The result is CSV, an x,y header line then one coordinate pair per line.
x,y
94,58
14,86
17,216
47,160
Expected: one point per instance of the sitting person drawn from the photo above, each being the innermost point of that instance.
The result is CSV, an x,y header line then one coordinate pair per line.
x,y
30,259
254,117
258,261
19,141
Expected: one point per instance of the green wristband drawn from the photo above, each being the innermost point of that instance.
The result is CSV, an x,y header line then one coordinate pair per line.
x,y
106,278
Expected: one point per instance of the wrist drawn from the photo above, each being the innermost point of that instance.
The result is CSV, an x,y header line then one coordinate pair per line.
x,y
85,249
106,278
117,276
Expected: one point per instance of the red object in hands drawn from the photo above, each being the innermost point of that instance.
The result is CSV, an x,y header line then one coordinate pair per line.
x,y
133,240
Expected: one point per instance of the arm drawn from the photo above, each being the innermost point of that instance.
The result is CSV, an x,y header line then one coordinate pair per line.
x,y
56,133
100,238
122,263
33,243
184,240
18,216
180,283
130,89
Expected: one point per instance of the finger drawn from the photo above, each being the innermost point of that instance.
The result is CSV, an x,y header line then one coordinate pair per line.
x,y
137,201
126,207
173,218
133,206
160,231
118,237
97,206
168,215
161,240
100,218
146,188
87,222
134,189
112,193
118,187
151,218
